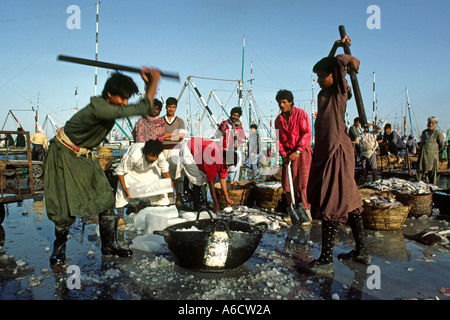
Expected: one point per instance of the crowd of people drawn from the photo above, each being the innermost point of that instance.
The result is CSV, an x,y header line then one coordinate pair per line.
x,y
38,141
430,149
318,183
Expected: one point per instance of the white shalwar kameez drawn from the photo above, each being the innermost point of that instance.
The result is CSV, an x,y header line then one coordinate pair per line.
x,y
135,168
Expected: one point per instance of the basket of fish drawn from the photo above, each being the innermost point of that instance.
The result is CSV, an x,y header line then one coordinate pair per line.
x,y
384,214
421,204
417,195
212,245
238,191
441,199
269,195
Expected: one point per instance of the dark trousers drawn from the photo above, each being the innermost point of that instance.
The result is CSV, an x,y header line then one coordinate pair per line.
x,y
38,152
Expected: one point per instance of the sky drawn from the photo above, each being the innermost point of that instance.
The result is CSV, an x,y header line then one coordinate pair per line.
x,y
405,44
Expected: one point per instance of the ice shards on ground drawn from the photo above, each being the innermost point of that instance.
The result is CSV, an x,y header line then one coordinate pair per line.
x,y
149,243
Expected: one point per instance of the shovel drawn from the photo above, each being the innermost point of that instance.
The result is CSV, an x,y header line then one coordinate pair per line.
x,y
299,216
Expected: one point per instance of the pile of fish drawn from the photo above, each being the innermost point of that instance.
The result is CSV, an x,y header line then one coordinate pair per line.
x,y
403,186
382,202
271,185
253,216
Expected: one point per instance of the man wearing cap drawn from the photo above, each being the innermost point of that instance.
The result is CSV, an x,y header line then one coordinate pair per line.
x,y
432,143
368,144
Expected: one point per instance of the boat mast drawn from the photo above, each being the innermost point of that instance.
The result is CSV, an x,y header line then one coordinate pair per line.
x,y
409,111
250,96
96,50
374,116
242,76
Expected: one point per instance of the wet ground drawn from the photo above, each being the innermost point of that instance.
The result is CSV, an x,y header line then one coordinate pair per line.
x,y
401,269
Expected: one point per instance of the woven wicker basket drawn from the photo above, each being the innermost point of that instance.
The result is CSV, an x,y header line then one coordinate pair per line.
x,y
238,191
104,151
268,198
384,219
2,165
105,161
421,204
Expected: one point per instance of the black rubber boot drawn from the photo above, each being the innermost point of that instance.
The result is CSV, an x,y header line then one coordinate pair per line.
x,y
361,254
108,235
196,190
204,196
59,246
324,264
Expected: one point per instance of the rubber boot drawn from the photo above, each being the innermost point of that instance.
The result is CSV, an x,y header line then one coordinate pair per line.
x,y
360,254
121,215
204,196
108,235
324,264
59,246
196,190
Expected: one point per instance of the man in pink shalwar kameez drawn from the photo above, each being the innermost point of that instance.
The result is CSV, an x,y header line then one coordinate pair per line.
x,y
150,127
294,132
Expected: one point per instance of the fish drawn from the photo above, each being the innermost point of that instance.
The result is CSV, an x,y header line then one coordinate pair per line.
x,y
383,202
403,186
432,236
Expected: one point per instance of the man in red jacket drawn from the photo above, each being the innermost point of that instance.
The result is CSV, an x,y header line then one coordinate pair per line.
x,y
294,133
233,135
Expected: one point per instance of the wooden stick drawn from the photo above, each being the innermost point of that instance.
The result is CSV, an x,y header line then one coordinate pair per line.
x,y
107,65
355,84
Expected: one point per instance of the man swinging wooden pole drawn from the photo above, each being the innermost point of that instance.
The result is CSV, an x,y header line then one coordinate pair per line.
x,y
75,183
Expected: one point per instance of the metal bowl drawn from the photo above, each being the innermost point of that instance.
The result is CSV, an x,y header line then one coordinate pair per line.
x,y
213,245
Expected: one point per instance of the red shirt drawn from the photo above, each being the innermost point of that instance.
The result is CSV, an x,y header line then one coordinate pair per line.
x,y
208,155
295,137
233,134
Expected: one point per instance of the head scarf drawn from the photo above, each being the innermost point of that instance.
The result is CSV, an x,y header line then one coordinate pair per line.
x,y
433,119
